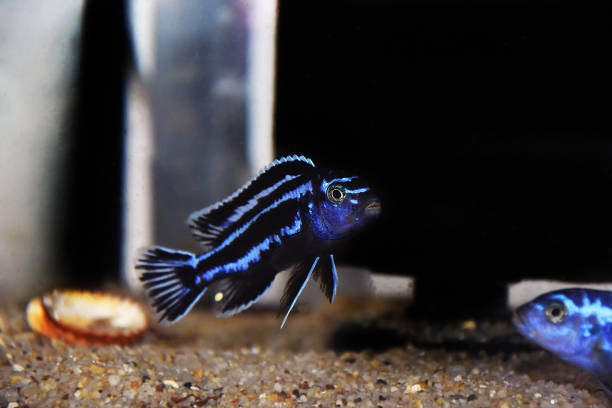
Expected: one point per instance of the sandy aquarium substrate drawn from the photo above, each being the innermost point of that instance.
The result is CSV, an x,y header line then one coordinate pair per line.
x,y
355,353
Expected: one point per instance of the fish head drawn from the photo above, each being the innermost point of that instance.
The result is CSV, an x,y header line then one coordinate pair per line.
x,y
567,322
342,204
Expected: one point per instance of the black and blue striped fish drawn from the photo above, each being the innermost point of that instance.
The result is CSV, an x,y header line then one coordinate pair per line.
x,y
290,215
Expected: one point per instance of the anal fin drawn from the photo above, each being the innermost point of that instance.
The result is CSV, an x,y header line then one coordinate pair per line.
x,y
239,291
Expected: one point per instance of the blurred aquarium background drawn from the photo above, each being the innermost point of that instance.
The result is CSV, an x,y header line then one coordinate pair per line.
x,y
485,126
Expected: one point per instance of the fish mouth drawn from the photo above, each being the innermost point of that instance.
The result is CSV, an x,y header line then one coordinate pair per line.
x,y
516,319
373,208
522,327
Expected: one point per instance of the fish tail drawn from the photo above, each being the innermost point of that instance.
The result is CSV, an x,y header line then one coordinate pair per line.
x,y
171,281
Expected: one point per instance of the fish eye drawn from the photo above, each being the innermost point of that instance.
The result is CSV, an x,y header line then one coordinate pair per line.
x,y
335,193
556,313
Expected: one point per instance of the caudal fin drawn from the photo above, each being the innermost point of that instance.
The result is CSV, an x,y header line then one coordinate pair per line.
x,y
170,280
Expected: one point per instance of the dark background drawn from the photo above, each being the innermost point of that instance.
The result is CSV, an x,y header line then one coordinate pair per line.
x,y
485,126
89,196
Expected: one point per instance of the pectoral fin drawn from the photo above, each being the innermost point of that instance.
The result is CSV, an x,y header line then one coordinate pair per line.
x,y
602,366
606,383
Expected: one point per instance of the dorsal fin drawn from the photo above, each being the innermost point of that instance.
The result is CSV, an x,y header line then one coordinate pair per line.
x,y
208,224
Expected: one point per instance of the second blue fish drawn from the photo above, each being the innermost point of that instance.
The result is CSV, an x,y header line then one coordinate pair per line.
x,y
576,325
